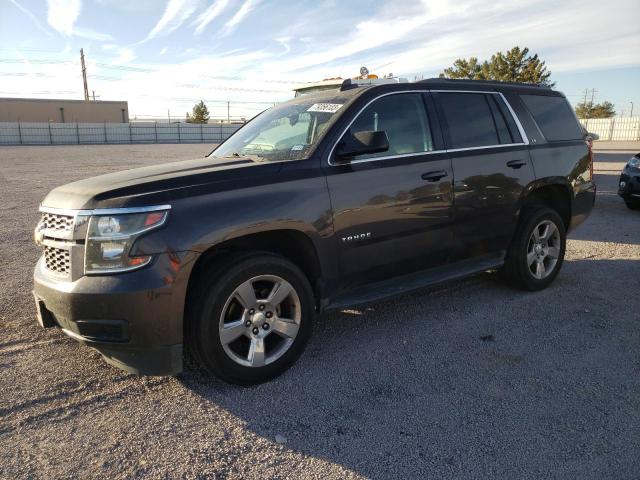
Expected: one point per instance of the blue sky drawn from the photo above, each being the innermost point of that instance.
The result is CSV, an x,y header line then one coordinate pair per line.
x,y
164,55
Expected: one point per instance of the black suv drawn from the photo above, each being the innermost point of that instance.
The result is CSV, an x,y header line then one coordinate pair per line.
x,y
328,200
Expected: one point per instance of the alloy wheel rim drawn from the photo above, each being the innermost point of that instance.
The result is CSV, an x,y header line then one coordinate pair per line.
x,y
260,321
543,249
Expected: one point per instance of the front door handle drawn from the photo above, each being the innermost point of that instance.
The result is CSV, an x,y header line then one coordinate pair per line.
x,y
434,176
516,164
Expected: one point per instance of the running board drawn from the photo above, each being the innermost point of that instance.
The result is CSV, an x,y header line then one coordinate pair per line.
x,y
414,281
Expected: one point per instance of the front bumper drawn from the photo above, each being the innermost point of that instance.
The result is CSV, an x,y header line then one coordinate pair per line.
x,y
133,319
629,183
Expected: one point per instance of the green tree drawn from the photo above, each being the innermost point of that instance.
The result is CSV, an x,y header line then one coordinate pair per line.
x,y
200,113
595,110
516,65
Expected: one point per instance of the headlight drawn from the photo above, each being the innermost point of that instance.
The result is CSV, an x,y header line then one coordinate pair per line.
x,y
110,238
634,162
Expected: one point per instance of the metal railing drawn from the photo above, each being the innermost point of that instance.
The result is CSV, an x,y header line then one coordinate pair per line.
x,y
49,133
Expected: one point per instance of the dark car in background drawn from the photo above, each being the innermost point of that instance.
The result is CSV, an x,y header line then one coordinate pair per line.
x,y
629,185
331,199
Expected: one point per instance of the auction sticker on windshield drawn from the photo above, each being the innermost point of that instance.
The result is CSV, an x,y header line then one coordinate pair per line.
x,y
325,107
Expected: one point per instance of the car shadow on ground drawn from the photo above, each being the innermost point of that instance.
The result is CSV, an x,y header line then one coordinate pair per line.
x,y
427,382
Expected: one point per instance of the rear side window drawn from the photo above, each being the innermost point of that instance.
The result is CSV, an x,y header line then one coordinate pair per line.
x,y
469,120
501,124
553,116
403,117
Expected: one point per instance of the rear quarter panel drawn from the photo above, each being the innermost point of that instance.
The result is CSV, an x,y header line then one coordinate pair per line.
x,y
565,163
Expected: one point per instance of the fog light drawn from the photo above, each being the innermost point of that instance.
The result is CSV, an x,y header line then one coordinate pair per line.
x,y
112,250
623,184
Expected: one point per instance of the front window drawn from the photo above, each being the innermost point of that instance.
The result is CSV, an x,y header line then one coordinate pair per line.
x,y
289,131
403,118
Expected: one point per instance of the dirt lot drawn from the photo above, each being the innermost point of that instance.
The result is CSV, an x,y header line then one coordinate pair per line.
x,y
469,380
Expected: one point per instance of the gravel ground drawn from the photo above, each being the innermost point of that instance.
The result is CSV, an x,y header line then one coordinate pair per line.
x,y
468,380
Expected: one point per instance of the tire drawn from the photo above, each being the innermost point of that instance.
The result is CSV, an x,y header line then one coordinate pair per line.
x,y
521,268
222,307
632,203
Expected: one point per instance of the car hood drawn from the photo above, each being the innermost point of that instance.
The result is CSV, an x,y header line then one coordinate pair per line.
x,y
157,183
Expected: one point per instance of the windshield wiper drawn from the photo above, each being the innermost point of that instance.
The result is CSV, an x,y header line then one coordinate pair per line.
x,y
250,156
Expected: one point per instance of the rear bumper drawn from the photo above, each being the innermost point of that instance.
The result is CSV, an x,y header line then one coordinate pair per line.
x,y
583,202
133,319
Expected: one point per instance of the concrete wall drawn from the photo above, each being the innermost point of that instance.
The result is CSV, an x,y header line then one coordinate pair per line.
x,y
62,111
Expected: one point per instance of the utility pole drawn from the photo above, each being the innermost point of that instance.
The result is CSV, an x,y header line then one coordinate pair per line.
x,y
593,93
84,76
586,90
228,117
631,109
93,95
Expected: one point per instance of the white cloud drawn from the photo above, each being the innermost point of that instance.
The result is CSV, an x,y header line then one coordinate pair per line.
x,y
285,42
91,34
30,14
175,14
239,16
125,55
62,14
209,15
415,38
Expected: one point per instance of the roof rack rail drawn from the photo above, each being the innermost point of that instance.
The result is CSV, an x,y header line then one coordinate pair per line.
x,y
483,82
361,82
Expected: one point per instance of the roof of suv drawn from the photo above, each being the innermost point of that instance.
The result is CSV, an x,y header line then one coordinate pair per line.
x,y
455,84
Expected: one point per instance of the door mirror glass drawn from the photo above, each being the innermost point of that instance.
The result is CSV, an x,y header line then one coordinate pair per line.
x,y
361,143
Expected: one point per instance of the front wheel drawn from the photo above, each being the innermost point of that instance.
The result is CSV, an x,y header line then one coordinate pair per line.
x,y
537,250
252,318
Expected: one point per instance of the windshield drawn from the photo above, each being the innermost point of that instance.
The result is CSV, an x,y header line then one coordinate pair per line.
x,y
289,131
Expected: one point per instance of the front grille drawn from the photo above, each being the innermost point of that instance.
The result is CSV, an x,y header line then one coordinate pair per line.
x,y
57,260
57,223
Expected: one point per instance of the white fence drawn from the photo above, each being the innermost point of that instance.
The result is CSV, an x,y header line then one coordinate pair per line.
x,y
48,133
614,128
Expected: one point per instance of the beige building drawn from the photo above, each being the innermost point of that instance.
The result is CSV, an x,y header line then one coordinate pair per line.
x,y
51,110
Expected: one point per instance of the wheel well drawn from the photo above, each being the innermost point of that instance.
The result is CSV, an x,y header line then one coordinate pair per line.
x,y
553,196
290,244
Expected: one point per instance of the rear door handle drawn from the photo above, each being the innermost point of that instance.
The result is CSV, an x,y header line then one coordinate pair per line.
x,y
516,164
434,176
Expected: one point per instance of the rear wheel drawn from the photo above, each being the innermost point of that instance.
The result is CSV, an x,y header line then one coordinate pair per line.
x,y
537,250
252,318
632,203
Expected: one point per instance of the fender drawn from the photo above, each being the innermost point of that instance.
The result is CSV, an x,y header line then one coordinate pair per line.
x,y
198,223
546,182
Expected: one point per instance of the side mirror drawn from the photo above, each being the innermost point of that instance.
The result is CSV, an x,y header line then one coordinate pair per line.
x,y
594,136
361,143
